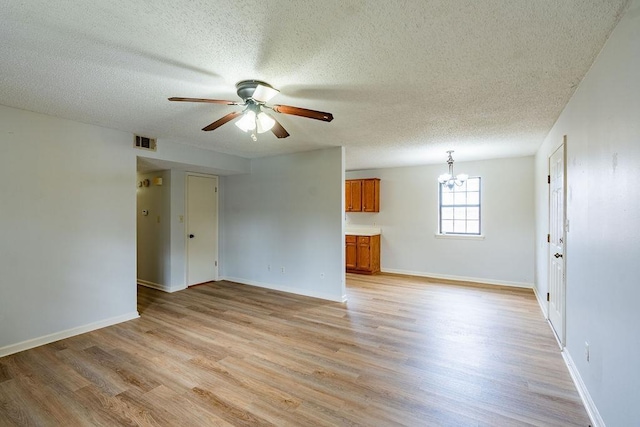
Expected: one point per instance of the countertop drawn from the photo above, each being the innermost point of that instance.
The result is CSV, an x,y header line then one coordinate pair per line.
x,y
361,230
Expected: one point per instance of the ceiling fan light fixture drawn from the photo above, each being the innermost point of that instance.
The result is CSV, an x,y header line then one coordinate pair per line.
x,y
247,122
264,122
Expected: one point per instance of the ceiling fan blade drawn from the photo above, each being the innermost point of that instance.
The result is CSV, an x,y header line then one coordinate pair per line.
x,y
303,112
211,101
278,130
264,93
222,121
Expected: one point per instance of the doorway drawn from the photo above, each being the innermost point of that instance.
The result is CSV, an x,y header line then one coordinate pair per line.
x,y
201,228
557,241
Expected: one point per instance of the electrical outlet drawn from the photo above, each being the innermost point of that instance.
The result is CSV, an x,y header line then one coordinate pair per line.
x,y
586,350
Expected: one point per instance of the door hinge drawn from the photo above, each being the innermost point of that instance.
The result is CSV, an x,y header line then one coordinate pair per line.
x,y
548,179
548,238
216,189
216,263
548,299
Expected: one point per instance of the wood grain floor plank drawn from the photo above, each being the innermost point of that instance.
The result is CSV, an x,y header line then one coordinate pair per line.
x,y
18,407
403,351
183,410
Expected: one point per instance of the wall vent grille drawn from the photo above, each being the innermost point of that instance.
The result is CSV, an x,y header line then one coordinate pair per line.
x,y
144,143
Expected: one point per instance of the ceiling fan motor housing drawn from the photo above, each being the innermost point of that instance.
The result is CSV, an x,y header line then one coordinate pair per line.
x,y
246,88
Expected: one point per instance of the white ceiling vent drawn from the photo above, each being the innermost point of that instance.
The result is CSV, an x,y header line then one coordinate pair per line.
x,y
144,143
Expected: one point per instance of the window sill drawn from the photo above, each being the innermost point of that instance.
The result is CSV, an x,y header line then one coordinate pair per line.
x,y
460,236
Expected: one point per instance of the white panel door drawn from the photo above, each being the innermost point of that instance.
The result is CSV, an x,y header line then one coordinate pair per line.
x,y
202,229
557,242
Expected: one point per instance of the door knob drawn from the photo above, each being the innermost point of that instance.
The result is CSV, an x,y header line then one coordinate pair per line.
x,y
557,255
191,236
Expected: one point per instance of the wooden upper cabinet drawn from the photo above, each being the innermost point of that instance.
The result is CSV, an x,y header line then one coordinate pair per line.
x,y
371,195
362,195
353,195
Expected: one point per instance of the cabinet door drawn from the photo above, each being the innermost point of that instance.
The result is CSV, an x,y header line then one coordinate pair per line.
x,y
348,198
351,250
364,253
356,195
371,195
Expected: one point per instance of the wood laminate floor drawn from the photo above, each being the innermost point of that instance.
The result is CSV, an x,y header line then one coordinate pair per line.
x,y
402,351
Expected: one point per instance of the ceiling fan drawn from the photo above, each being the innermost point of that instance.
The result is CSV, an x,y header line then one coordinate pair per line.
x,y
255,94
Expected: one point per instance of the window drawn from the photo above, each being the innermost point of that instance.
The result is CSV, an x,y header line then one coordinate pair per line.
x,y
460,208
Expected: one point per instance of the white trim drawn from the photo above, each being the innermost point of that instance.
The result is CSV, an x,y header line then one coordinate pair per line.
x,y
286,289
36,342
545,312
589,405
163,288
542,303
555,335
460,278
460,236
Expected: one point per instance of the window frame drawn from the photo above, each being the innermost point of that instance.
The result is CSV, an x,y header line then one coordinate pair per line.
x,y
479,234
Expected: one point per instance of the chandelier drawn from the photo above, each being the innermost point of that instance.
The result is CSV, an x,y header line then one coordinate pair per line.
x,y
449,179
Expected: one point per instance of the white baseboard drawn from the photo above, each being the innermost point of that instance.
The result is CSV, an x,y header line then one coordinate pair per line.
x,y
36,342
542,302
296,291
460,278
590,406
160,287
544,307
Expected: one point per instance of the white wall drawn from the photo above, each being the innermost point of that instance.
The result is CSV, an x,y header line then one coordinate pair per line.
x,y
162,245
408,218
154,230
197,159
67,228
178,232
286,213
602,124
179,159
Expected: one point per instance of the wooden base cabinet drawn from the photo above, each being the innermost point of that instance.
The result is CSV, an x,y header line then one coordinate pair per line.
x,y
362,254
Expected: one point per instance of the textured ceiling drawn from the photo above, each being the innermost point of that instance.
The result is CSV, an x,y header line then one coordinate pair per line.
x,y
405,81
